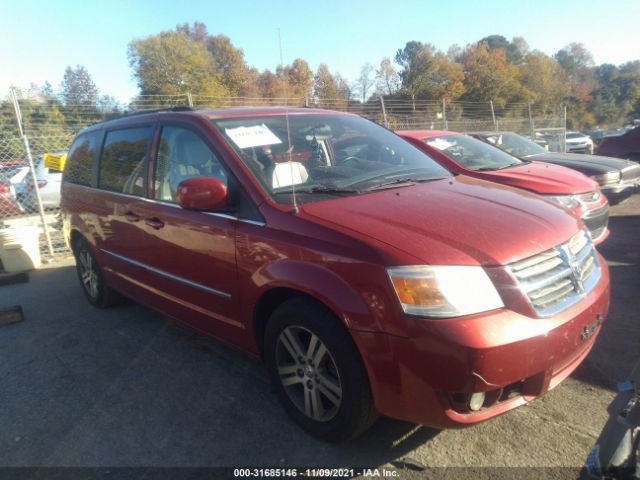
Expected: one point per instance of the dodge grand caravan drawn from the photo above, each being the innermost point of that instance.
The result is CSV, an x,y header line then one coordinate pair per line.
x,y
370,279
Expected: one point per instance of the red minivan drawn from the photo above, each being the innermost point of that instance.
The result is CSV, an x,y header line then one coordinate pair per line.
x,y
370,279
468,156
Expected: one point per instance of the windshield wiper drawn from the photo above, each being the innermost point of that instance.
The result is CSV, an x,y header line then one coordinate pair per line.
x,y
328,189
401,182
491,169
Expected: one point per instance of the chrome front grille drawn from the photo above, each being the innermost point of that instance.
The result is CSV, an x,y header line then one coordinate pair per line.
x,y
558,278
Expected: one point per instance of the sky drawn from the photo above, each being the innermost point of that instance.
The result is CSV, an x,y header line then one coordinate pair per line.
x,y
39,39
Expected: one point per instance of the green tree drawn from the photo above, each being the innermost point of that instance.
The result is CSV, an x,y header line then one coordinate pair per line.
x,y
616,98
515,51
78,88
324,84
578,62
545,79
171,63
428,73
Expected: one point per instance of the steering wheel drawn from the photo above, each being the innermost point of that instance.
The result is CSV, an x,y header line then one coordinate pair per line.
x,y
348,161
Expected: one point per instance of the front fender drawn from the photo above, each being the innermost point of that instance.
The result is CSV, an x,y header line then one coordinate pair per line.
x,y
320,283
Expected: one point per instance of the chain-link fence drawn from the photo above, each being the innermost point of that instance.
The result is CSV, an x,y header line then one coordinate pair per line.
x,y
32,125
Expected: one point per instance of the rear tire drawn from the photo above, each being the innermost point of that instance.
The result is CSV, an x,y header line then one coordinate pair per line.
x,y
91,278
317,371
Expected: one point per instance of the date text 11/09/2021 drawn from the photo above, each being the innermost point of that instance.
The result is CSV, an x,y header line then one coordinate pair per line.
x,y
315,473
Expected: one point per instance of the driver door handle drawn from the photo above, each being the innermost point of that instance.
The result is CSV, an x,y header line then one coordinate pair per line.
x,y
154,222
132,217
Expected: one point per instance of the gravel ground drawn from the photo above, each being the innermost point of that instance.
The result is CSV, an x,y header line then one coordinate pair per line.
x,y
128,387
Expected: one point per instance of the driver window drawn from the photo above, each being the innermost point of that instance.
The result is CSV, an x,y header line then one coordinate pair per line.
x,y
182,154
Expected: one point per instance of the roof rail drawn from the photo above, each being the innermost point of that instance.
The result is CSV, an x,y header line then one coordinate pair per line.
x,y
127,114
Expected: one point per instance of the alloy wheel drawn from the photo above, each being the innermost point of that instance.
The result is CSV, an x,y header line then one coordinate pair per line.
x,y
88,273
308,373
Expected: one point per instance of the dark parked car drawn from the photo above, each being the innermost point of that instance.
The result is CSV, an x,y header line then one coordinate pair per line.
x,y
618,179
626,145
469,156
369,278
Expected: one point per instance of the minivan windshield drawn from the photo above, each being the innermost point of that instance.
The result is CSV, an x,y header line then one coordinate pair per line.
x,y
318,155
515,144
471,153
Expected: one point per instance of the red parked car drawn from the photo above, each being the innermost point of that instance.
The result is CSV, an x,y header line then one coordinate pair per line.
x,y
626,145
369,279
465,155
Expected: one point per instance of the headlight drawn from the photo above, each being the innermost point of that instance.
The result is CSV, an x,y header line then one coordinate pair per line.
x,y
610,178
568,201
444,291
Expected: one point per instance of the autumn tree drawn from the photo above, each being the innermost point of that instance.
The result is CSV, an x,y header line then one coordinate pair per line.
x,y
196,32
578,63
545,79
171,63
489,76
298,78
269,85
230,64
387,78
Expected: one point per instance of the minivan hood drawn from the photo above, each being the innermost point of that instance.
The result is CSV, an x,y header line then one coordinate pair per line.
x,y
454,221
543,178
588,164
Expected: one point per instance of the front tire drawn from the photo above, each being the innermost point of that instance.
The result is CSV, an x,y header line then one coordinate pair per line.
x,y
317,371
90,275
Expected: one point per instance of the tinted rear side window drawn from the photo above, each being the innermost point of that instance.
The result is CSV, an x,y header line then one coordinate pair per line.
x,y
123,162
81,158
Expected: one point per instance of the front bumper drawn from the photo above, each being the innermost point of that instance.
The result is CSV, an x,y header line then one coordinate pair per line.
x,y
511,357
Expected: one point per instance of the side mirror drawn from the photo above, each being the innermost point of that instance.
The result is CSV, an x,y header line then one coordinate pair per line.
x,y
202,193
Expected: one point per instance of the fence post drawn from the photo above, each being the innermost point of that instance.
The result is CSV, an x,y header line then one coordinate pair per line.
x,y
189,100
531,126
493,116
564,128
384,111
444,113
34,178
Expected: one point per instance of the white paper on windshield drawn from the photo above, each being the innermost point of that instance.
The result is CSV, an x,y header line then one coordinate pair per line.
x,y
440,143
256,136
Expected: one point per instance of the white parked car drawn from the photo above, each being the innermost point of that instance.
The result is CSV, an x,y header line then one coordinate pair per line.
x,y
578,142
49,181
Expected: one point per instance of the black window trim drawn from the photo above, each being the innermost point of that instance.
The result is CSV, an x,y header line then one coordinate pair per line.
x,y
153,126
